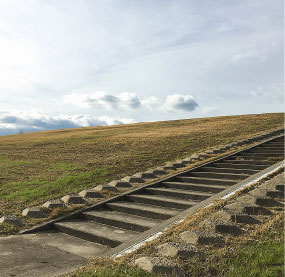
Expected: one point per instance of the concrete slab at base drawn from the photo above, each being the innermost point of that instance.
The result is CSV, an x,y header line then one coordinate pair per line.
x,y
64,242
22,257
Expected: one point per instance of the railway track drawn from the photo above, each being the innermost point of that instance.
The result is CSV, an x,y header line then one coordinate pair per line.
x,y
119,222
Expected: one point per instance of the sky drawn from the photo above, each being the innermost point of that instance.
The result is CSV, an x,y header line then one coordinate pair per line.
x,y
75,63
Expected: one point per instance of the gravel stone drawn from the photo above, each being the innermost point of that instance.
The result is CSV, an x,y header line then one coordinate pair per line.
x,y
175,249
202,238
159,265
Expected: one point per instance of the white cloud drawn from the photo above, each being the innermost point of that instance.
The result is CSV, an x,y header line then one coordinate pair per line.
x,y
176,102
130,101
104,100
15,122
152,103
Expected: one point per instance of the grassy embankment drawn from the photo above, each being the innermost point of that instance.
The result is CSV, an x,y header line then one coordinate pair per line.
x,y
36,167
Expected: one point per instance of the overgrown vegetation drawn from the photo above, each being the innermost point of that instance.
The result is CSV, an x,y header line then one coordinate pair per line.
x,y
36,167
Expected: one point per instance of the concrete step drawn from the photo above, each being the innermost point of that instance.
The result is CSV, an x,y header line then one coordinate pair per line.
x,y
258,157
233,160
143,210
266,151
121,220
217,175
263,155
195,187
273,146
209,181
263,160
239,165
95,232
179,193
268,148
162,201
280,187
229,170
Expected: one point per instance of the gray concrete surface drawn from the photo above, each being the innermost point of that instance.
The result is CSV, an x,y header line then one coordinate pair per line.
x,y
43,254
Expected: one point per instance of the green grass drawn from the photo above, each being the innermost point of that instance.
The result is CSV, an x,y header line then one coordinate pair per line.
x,y
7,228
258,259
262,257
39,189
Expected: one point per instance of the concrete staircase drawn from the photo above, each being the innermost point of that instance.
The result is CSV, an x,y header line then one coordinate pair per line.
x,y
126,217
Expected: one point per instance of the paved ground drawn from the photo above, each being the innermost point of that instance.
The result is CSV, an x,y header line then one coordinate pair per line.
x,y
43,254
